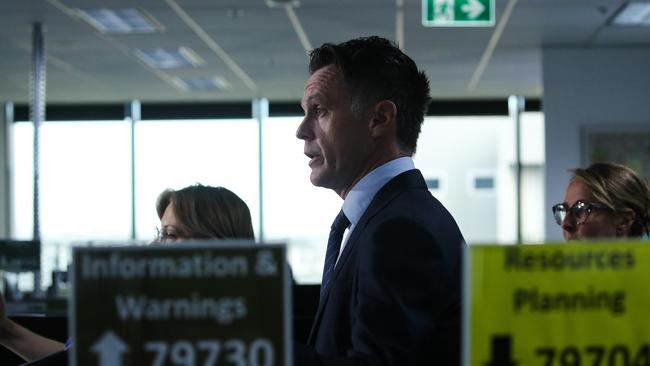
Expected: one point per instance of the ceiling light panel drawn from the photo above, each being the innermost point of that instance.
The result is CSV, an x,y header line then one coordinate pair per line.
x,y
635,13
203,83
120,21
169,58
282,3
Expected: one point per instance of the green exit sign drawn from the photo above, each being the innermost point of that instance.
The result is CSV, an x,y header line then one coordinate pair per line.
x,y
457,13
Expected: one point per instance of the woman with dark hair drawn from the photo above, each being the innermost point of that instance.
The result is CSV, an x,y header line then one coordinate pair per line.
x,y
605,200
202,212
194,212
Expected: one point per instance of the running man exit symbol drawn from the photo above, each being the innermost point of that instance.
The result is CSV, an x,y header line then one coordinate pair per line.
x,y
501,354
457,13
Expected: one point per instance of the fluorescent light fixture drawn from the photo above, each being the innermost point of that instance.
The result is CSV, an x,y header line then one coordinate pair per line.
x,y
202,83
169,58
634,13
282,3
120,20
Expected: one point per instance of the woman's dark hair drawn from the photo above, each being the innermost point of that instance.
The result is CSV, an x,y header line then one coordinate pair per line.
x,y
375,69
204,212
620,188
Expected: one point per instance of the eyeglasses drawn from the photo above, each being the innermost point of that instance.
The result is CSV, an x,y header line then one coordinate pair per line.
x,y
163,237
579,211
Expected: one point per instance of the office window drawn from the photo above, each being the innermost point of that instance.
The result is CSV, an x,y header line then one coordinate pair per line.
x,y
484,183
84,180
85,190
481,182
436,180
178,153
295,211
433,183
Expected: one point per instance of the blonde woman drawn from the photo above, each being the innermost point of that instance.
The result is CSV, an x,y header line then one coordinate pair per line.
x,y
605,200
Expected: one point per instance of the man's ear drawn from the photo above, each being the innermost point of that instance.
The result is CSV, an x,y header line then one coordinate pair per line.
x,y
625,221
383,118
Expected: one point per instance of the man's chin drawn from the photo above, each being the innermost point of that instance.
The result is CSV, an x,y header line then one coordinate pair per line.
x,y
317,181
320,180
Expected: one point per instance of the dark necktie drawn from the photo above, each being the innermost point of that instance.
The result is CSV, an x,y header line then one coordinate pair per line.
x,y
333,247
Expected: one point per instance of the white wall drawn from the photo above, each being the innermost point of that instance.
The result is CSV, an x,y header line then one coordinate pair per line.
x,y
587,86
456,149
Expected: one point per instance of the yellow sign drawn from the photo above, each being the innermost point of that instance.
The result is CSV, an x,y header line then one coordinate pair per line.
x,y
558,304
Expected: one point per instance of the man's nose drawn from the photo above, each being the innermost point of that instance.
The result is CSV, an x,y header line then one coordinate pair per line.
x,y
303,132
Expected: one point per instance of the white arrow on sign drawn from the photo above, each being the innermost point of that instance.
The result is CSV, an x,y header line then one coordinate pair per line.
x,y
473,8
109,347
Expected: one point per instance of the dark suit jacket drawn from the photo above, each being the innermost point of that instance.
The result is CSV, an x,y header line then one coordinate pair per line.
x,y
394,298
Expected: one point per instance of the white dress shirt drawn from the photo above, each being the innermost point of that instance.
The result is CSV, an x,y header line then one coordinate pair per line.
x,y
360,196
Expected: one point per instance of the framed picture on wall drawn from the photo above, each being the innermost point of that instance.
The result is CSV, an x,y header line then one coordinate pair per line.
x,y
627,144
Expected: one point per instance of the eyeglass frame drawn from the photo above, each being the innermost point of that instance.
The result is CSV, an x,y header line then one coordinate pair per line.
x,y
158,238
588,206
161,237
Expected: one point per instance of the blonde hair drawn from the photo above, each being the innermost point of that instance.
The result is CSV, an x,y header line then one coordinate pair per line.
x,y
620,188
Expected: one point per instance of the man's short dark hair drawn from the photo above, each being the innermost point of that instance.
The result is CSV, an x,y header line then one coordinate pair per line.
x,y
375,69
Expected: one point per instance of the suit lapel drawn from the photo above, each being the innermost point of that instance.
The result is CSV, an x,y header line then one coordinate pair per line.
x,y
409,179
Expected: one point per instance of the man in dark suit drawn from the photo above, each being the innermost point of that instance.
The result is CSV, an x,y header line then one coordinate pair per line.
x,y
392,278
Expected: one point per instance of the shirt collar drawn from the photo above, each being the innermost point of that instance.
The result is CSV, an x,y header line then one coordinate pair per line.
x,y
360,196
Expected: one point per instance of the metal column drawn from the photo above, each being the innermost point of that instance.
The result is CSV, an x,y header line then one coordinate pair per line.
x,y
37,115
516,106
260,113
6,196
133,113
37,112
